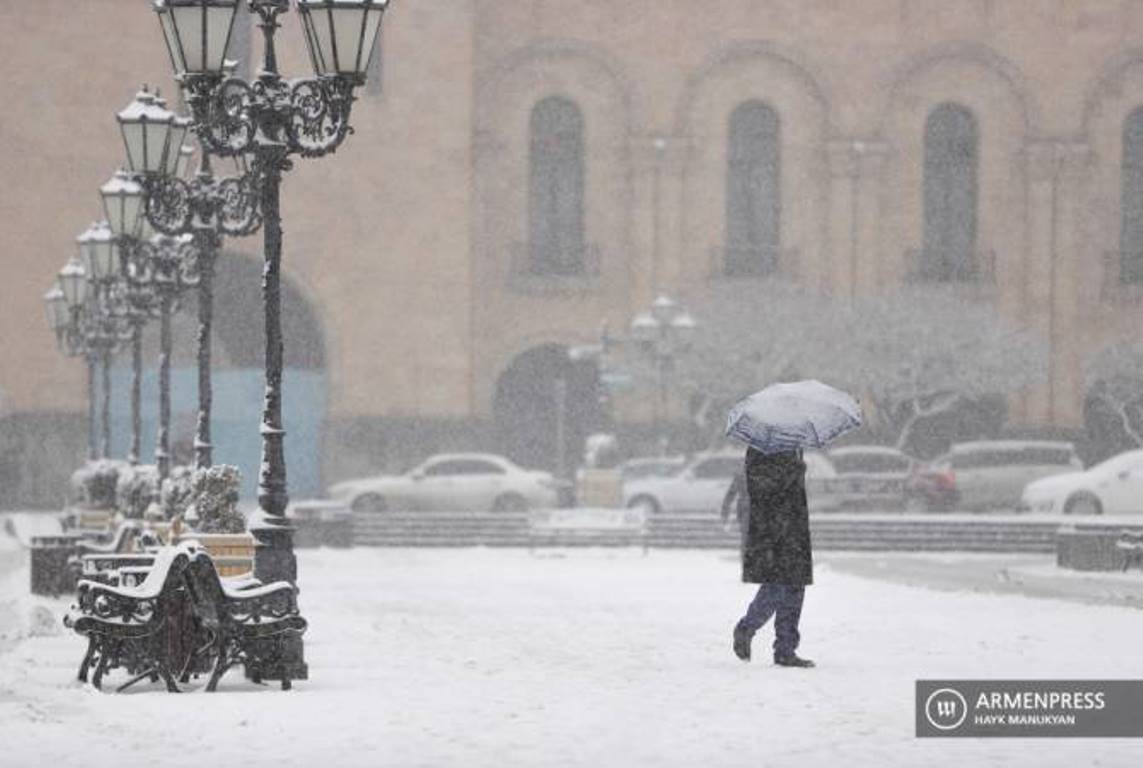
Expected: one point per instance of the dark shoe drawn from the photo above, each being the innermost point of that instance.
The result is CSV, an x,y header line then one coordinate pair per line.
x,y
742,638
792,660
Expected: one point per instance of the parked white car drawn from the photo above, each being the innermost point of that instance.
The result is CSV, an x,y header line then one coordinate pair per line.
x,y
701,485
1112,487
455,481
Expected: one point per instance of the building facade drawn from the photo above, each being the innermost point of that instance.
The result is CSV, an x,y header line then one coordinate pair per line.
x,y
524,170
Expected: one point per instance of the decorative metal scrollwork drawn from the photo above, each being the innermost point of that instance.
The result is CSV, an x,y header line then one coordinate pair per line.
x,y
238,211
319,115
223,115
169,204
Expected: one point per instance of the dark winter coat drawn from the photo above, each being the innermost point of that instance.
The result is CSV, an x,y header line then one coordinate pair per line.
x,y
776,548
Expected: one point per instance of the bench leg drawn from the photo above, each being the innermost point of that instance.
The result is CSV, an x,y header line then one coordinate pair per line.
x,y
85,665
100,668
220,667
169,679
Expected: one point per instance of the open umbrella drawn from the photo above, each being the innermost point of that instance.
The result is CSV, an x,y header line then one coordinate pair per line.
x,y
792,415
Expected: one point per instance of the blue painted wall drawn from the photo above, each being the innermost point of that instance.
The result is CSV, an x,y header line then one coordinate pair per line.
x,y
237,416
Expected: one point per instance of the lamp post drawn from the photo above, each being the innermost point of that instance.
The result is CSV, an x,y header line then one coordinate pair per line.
x,y
99,254
122,198
271,119
72,284
205,207
663,333
168,265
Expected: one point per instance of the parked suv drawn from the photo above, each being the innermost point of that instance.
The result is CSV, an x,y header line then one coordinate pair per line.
x,y
988,474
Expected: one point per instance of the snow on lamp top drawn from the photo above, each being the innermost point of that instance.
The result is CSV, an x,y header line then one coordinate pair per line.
x,y
146,126
99,252
122,204
73,283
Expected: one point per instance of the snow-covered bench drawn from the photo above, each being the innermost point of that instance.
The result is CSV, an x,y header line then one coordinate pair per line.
x,y
245,622
182,619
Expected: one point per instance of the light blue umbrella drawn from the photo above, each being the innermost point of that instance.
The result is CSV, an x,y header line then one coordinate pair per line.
x,y
792,415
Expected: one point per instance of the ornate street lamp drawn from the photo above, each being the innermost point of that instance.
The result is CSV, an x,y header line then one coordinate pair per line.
x,y
146,126
206,208
663,333
123,204
57,310
197,33
72,284
99,254
272,118
168,266
122,198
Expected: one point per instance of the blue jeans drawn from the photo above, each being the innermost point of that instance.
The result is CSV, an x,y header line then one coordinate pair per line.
x,y
785,600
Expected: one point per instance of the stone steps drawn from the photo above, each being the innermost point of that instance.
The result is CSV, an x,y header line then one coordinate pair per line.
x,y
705,531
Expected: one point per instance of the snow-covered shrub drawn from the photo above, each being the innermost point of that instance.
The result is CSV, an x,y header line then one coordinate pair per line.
x,y
216,500
178,492
94,484
136,489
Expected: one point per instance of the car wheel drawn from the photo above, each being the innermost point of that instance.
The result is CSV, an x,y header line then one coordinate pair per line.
x,y
370,502
510,502
1083,504
646,504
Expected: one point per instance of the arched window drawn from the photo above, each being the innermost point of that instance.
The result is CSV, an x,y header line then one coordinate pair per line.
x,y
753,190
951,158
1131,201
556,238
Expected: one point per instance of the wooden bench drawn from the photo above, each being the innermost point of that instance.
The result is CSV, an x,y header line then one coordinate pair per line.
x,y
104,568
183,620
1131,547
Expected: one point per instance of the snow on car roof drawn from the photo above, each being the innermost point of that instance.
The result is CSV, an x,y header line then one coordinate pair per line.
x,y
1011,445
852,449
493,457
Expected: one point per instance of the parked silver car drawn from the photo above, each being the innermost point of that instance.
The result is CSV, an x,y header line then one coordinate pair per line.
x,y
988,474
457,481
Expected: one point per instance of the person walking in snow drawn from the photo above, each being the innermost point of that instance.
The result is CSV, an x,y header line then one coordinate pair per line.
x,y
776,552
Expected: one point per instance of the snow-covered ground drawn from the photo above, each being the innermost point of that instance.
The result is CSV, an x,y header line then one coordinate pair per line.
x,y
474,657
